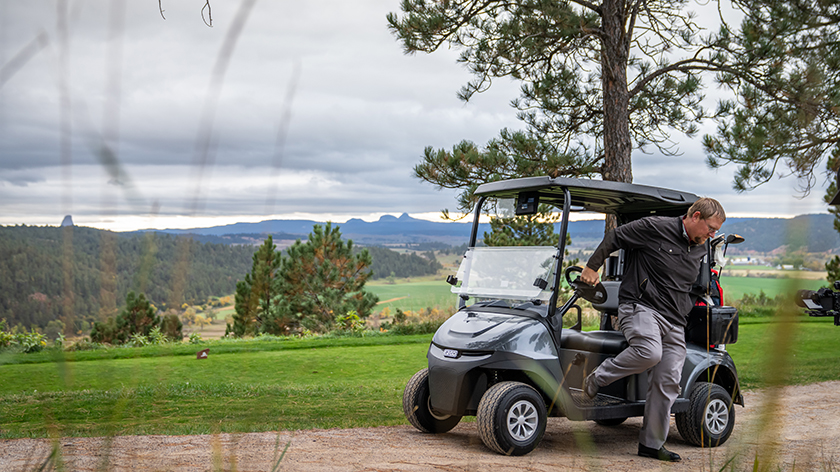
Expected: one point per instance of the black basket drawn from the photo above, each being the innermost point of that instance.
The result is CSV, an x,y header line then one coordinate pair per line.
x,y
709,326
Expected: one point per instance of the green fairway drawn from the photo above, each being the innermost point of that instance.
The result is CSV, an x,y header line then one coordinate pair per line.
x,y
414,296
264,385
790,353
232,392
735,287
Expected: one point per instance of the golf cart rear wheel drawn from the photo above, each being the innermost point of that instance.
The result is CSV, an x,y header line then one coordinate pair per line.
x,y
710,417
418,410
511,418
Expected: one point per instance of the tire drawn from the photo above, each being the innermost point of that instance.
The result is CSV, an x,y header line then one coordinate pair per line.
x,y
611,421
511,418
417,409
710,418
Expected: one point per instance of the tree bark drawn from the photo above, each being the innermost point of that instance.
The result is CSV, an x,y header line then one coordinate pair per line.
x,y
614,55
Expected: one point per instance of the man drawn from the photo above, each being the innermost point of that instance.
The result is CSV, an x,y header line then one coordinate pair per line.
x,y
662,261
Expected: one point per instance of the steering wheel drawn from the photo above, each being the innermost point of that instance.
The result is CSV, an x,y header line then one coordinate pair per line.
x,y
592,293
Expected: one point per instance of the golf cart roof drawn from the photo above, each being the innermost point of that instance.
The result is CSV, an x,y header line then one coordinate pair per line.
x,y
627,201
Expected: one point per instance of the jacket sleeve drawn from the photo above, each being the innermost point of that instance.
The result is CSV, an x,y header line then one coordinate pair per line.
x,y
630,236
607,246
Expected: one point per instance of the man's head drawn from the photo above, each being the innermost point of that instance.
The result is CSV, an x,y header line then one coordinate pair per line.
x,y
703,220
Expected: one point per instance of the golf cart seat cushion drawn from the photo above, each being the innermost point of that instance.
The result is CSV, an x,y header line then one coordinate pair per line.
x,y
611,304
604,342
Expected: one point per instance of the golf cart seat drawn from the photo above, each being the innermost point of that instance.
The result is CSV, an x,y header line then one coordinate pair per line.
x,y
604,342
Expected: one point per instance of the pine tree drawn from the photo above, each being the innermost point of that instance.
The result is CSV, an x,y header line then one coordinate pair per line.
x,y
322,279
602,79
255,294
138,317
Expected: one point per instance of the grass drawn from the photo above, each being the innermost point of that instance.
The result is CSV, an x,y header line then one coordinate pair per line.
x,y
414,296
288,384
313,385
735,287
260,385
813,354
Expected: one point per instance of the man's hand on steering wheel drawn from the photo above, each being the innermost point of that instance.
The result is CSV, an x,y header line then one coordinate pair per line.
x,y
590,276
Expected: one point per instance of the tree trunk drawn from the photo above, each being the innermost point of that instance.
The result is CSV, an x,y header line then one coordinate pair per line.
x,y
614,53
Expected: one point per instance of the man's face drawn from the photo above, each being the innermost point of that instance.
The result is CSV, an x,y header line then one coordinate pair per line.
x,y
699,229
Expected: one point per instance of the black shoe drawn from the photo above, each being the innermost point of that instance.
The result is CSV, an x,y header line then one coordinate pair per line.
x,y
661,454
590,388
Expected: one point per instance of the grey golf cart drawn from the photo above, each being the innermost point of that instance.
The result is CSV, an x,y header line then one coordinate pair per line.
x,y
506,358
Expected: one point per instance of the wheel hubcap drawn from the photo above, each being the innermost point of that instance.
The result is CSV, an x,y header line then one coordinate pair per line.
x,y
717,416
522,420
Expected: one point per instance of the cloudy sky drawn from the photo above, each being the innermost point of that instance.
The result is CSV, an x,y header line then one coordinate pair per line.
x,y
135,121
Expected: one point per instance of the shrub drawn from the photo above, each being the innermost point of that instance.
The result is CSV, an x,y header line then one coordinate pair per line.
x,y
350,323
30,342
86,345
156,336
760,305
424,322
137,340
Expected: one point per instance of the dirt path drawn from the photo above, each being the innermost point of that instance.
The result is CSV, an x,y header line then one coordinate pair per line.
x,y
805,428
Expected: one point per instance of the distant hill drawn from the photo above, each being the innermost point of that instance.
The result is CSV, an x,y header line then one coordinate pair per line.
x,y
814,233
102,267
387,230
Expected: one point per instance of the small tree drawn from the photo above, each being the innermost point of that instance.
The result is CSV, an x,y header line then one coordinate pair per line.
x,y
321,280
254,295
172,327
137,318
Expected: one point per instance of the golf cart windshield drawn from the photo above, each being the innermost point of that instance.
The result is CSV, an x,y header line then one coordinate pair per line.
x,y
512,273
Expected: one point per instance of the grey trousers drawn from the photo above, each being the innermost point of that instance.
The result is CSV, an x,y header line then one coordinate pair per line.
x,y
655,344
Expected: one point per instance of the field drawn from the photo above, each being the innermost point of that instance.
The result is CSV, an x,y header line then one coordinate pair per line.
x,y
435,293
414,296
303,383
241,387
267,385
734,288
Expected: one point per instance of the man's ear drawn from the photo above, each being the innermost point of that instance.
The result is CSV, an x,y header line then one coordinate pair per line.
x,y
696,216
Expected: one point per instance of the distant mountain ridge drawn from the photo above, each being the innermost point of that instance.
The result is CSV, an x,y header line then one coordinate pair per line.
x,y
815,232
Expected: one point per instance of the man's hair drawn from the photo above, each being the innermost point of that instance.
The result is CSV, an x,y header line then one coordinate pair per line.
x,y
708,208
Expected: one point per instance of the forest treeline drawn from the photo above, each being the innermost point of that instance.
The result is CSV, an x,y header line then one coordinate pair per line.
x,y
101,267
386,263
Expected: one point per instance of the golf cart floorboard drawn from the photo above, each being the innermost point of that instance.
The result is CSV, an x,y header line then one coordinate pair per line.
x,y
602,407
600,400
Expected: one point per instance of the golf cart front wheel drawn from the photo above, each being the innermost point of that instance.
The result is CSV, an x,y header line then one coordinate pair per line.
x,y
710,418
419,411
511,418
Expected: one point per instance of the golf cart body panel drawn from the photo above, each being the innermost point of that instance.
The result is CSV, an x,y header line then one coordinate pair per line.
x,y
476,346
712,366
512,338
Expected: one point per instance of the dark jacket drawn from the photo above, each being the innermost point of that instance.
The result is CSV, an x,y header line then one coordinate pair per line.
x,y
660,264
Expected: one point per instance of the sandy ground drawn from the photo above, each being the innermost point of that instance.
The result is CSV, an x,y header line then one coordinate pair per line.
x,y
800,430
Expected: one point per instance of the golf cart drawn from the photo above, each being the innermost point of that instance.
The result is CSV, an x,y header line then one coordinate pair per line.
x,y
506,358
